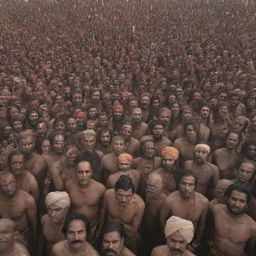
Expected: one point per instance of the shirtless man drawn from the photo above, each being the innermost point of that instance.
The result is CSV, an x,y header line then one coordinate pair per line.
x,y
86,195
57,205
76,229
146,163
125,162
110,160
132,145
25,180
151,231
168,169
113,240
20,207
8,246
157,130
230,218
64,169
122,205
207,173
140,128
178,233
188,204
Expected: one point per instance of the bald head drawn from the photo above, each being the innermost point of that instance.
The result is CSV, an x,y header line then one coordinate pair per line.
x,y
220,189
7,223
154,184
7,228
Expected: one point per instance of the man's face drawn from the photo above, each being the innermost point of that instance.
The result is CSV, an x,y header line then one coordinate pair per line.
x,y
76,234
89,143
201,155
8,185
105,139
95,97
149,150
205,112
237,202
46,146
153,185
176,244
190,132
246,172
92,113
136,116
58,144
239,124
187,186
41,128
33,117
118,114
84,173
71,154
234,100
187,115
77,99
124,197
112,244
126,132
71,124
6,235
17,164
124,165
27,145
118,146
165,117
56,213
232,140
168,162
17,126
103,121
158,131
251,152
144,102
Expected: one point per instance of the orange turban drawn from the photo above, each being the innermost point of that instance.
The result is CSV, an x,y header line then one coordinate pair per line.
x,y
79,114
118,107
171,151
125,157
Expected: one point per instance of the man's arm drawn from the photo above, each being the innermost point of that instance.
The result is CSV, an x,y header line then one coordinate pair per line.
x,y
31,211
136,222
34,188
56,177
251,245
164,213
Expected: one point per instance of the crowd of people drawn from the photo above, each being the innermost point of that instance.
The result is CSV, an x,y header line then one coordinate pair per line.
x,y
128,128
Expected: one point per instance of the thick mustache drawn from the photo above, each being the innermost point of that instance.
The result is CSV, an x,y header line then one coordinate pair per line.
x,y
176,250
76,241
109,251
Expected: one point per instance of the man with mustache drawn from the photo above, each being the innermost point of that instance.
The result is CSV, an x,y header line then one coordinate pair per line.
x,y
113,240
8,246
75,229
207,173
234,232
178,233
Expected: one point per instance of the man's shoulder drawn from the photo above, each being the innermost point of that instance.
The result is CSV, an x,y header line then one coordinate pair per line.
x,y
58,247
138,201
200,197
127,252
161,250
98,185
21,249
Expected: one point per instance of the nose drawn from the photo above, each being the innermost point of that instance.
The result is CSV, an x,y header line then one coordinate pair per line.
x,y
76,236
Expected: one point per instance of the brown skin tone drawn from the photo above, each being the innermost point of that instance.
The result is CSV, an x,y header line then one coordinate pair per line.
x,y
25,180
228,218
208,173
187,204
124,207
85,193
140,128
76,231
8,246
19,206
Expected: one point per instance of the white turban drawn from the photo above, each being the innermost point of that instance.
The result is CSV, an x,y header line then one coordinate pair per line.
x,y
59,197
185,228
204,146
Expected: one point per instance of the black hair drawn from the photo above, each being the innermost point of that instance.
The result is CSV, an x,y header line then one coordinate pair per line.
x,y
114,226
76,216
125,183
12,154
239,188
185,173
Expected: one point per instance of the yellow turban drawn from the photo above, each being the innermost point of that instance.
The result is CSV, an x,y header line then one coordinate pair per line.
x,y
185,228
171,151
59,197
125,157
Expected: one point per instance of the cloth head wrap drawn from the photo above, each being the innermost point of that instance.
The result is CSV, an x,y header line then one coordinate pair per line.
x,y
204,146
79,114
59,197
125,157
171,151
118,107
185,228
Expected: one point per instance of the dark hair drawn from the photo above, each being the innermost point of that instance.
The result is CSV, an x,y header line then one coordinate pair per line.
x,y
125,183
195,125
155,122
114,226
238,188
185,173
234,131
12,154
55,133
76,216
246,145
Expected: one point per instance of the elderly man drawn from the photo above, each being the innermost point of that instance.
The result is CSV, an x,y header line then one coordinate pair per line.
x,y
113,240
207,173
168,169
8,246
57,206
86,195
125,162
76,229
122,205
19,206
234,232
188,204
178,233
